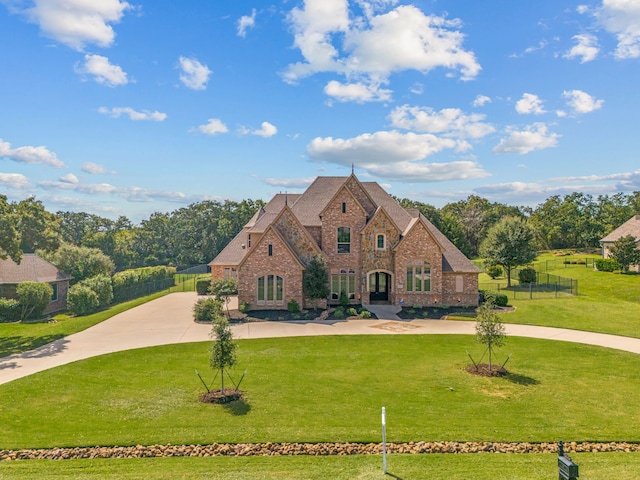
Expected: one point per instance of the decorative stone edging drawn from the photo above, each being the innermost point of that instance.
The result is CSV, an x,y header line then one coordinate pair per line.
x,y
311,449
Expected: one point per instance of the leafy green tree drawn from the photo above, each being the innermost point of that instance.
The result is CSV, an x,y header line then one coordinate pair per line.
x,y
9,234
223,350
222,289
39,229
489,329
315,281
625,251
509,244
101,284
81,262
34,298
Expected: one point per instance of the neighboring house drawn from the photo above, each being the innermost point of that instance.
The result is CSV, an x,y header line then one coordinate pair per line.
x,y
32,268
375,250
630,227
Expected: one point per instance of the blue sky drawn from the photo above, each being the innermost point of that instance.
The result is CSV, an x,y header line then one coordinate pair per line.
x,y
129,108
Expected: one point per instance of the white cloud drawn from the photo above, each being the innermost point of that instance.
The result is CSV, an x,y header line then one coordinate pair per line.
x,y
289,182
267,130
76,22
30,155
194,74
368,50
481,101
622,19
533,137
104,72
131,194
213,127
95,169
451,122
394,156
14,180
586,48
358,92
581,102
116,112
69,178
529,103
246,22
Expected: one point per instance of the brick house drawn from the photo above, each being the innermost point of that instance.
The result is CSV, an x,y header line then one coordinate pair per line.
x,y
630,227
375,250
32,268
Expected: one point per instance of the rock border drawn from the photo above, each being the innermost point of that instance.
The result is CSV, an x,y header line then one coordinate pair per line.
x,y
311,449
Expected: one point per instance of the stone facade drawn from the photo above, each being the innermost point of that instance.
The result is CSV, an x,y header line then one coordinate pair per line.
x,y
375,250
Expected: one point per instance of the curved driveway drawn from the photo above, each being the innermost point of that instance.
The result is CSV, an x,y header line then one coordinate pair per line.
x,y
169,320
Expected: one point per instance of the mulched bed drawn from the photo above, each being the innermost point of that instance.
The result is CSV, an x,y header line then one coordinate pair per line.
x,y
435,313
221,396
482,370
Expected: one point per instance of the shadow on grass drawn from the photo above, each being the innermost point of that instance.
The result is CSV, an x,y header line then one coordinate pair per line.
x,y
393,476
522,379
238,407
18,344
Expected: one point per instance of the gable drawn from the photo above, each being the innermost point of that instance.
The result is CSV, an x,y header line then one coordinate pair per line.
x,y
630,227
296,236
342,194
259,252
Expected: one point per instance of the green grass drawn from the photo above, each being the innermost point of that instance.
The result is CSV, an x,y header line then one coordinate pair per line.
x,y
606,302
315,389
21,337
621,466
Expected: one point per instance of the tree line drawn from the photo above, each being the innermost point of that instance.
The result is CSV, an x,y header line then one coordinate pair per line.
x,y
195,234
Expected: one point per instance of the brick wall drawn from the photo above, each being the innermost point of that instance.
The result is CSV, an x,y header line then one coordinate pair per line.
x,y
258,264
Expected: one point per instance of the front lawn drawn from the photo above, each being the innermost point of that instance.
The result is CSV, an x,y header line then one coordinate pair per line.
x,y
315,389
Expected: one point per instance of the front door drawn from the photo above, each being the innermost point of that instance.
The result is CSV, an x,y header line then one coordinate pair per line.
x,y
379,287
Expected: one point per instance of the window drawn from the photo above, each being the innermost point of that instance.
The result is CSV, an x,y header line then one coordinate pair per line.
x,y
344,240
345,282
230,272
380,242
54,297
270,250
249,241
419,277
270,290
344,207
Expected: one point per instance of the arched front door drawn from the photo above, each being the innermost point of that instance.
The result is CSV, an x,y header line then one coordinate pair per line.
x,y
379,283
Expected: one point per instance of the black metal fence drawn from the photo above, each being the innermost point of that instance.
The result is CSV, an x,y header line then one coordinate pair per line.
x,y
545,286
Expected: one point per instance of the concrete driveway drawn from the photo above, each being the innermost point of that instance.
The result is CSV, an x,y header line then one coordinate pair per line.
x,y
169,320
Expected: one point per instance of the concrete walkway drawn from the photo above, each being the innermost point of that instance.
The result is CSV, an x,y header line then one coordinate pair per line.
x,y
169,320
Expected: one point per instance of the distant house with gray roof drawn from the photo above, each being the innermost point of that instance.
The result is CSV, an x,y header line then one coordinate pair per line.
x,y
630,227
32,268
376,251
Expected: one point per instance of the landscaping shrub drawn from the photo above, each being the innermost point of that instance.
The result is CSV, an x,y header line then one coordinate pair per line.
x,y
34,298
101,285
365,314
498,299
344,300
137,282
207,310
82,300
494,271
352,312
244,307
202,286
527,275
9,310
607,265
293,306
339,313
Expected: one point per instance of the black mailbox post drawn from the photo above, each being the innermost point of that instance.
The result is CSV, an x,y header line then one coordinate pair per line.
x,y
566,468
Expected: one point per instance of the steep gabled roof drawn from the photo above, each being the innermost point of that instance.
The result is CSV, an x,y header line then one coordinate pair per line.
x,y
380,211
315,199
234,252
299,230
382,199
273,229
630,227
32,268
